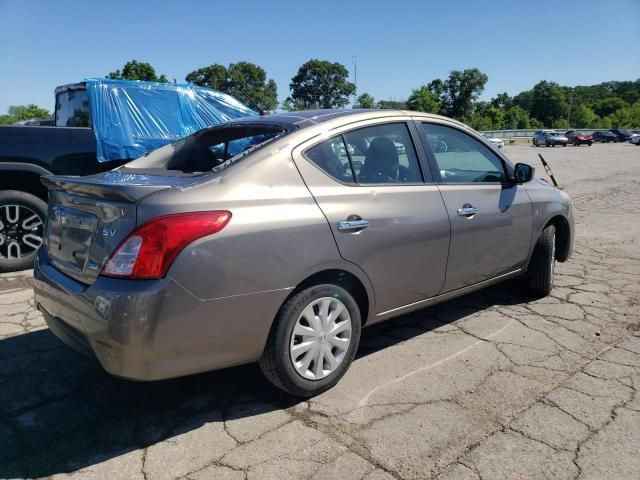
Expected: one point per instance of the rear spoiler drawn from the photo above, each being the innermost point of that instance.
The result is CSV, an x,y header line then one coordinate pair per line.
x,y
106,186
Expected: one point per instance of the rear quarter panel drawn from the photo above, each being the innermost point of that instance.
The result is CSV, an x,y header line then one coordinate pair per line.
x,y
276,238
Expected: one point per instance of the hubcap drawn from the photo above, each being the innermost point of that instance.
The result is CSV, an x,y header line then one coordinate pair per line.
x,y
20,231
320,338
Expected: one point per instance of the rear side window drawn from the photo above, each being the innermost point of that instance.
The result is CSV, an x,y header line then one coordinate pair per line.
x,y
72,109
381,154
332,158
461,158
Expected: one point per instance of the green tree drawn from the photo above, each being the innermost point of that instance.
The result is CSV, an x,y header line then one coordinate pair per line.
x,y
607,106
16,113
583,117
621,118
322,84
635,115
502,100
245,81
214,76
459,92
392,105
516,117
365,101
423,100
486,117
292,106
135,70
548,103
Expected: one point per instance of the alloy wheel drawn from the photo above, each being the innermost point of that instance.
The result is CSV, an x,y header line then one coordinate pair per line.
x,y
21,231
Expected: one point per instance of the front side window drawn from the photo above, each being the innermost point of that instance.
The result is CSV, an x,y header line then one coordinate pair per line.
x,y
461,158
383,154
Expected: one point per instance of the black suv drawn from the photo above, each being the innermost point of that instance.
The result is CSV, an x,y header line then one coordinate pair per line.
x,y
621,135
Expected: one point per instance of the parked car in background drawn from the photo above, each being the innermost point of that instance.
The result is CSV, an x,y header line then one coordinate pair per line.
x,y
634,139
578,138
185,260
549,138
621,134
34,122
604,137
98,124
495,141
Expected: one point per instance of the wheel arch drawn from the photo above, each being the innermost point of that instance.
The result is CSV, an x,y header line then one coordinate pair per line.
x,y
14,177
345,279
563,236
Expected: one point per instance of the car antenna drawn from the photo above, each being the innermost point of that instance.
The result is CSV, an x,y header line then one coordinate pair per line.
x,y
254,104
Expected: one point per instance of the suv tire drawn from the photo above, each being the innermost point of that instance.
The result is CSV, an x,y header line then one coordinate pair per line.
x,y
278,362
17,221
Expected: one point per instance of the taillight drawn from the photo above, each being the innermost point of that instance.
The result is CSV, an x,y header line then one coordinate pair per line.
x,y
148,251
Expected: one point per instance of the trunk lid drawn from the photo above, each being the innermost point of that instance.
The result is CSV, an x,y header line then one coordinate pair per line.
x,y
89,216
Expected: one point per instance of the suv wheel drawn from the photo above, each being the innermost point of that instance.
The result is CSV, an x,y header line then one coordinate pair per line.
x,y
313,340
541,268
22,217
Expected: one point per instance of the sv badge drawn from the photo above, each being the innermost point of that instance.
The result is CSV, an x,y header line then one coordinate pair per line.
x,y
108,232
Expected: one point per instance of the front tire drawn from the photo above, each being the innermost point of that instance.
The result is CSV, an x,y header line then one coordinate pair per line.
x,y
313,341
22,217
541,268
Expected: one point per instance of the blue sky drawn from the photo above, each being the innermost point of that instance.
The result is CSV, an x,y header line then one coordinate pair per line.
x,y
399,44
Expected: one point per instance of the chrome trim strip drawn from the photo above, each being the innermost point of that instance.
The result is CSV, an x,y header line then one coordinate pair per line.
x,y
446,296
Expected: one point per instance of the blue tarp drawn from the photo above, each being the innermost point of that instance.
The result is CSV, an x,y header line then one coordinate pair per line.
x,y
133,118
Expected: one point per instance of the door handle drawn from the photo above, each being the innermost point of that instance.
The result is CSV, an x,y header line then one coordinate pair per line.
x,y
467,210
352,225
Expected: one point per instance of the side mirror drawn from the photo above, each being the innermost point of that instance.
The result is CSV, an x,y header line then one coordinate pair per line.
x,y
523,173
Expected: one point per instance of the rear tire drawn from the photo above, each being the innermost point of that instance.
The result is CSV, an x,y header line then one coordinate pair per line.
x,y
22,217
289,368
541,269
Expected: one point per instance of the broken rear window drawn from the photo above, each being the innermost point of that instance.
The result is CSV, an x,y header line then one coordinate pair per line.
x,y
209,150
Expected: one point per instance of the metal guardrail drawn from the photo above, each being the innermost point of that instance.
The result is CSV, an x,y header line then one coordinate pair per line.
x,y
530,132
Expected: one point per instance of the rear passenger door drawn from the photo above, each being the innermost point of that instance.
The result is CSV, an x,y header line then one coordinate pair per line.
x,y
491,218
368,181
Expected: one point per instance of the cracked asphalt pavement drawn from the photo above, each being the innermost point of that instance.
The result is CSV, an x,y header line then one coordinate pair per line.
x,y
493,385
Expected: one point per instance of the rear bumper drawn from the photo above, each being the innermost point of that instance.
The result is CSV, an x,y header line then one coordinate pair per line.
x,y
153,329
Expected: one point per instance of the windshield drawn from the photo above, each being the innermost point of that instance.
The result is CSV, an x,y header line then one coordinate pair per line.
x,y
213,149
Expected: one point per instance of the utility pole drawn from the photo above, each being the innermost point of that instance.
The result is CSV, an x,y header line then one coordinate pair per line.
x,y
569,112
355,78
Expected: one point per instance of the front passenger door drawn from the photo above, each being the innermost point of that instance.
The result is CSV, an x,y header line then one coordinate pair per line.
x,y
491,219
